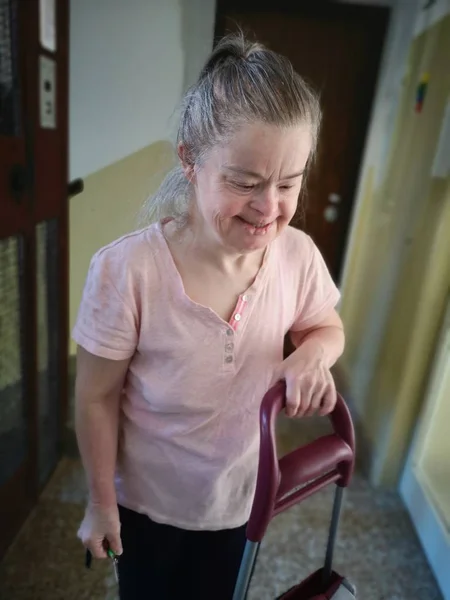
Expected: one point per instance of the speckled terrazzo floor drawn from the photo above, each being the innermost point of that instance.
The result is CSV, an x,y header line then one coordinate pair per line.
x,y
377,547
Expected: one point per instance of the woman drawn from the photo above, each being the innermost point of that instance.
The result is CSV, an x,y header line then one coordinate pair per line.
x,y
181,330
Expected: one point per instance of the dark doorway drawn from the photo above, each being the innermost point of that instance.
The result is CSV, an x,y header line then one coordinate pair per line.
x,y
336,47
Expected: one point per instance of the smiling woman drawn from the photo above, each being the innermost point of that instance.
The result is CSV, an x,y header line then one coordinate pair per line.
x,y
254,199
242,83
181,332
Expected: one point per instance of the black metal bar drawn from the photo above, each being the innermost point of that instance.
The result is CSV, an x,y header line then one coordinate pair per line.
x,y
246,570
328,566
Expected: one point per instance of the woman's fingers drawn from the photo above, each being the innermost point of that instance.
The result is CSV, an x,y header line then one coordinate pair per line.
x,y
310,393
325,398
316,399
306,396
94,543
100,530
292,396
115,543
328,400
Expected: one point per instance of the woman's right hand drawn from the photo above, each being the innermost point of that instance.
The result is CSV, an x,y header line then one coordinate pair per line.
x,y
100,530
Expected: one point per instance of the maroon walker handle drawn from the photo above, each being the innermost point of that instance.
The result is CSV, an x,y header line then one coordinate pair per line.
x,y
283,482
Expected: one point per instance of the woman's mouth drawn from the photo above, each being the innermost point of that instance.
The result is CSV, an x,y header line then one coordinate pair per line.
x,y
255,228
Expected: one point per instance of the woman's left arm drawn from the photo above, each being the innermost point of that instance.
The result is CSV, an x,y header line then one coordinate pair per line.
x,y
310,386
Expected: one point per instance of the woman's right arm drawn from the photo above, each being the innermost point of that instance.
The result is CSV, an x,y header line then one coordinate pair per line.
x,y
98,389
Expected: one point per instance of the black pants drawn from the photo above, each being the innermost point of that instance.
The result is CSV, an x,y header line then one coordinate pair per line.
x,y
161,562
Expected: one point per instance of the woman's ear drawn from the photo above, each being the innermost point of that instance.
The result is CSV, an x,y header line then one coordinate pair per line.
x,y
186,165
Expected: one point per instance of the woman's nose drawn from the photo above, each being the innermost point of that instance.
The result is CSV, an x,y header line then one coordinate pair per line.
x,y
266,202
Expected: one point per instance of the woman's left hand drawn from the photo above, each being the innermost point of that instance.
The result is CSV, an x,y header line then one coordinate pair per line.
x,y
310,386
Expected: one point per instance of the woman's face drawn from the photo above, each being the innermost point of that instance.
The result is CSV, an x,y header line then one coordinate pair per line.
x,y
247,190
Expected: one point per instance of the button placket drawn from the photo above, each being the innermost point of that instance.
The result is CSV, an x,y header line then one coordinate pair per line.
x,y
229,344
239,310
228,349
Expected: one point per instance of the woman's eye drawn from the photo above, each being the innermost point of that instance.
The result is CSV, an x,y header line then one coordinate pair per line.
x,y
286,187
244,186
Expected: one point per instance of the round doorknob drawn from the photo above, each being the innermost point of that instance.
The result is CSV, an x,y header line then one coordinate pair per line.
x,y
330,214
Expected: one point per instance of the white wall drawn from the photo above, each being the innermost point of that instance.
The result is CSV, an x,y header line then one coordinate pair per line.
x,y
130,61
198,18
126,78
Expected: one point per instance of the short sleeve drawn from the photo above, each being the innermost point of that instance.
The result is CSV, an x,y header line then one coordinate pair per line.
x,y
317,293
107,323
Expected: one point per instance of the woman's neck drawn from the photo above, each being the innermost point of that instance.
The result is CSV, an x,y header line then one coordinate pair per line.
x,y
192,240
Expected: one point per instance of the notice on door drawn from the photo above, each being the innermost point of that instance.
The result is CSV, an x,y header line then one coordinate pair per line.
x,y
47,92
47,24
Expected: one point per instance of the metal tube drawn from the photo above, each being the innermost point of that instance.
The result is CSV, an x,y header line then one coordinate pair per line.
x,y
328,567
246,570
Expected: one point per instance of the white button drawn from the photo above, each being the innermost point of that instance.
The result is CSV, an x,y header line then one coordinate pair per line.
x,y
245,298
229,359
237,317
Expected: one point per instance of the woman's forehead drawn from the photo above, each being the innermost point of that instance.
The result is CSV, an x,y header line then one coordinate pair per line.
x,y
261,148
238,170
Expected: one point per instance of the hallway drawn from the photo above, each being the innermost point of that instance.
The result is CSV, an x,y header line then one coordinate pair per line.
x,y
377,547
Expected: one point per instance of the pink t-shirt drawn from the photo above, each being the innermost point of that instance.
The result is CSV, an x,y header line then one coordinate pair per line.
x,y
188,451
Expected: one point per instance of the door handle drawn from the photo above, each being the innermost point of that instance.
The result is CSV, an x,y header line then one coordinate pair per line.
x,y
75,187
331,214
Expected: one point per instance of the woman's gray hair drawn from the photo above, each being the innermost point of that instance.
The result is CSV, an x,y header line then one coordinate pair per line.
x,y
242,82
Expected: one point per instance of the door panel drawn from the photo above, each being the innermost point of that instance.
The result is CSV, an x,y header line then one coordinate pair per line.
x,y
12,146
9,70
337,48
13,413
33,263
17,437
48,347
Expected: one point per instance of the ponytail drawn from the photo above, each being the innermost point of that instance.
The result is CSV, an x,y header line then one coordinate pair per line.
x,y
172,199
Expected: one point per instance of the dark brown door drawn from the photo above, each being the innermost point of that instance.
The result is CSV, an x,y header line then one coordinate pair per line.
x,y
33,253
337,48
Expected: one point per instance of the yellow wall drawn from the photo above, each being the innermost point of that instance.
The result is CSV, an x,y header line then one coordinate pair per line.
x,y
108,208
402,230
